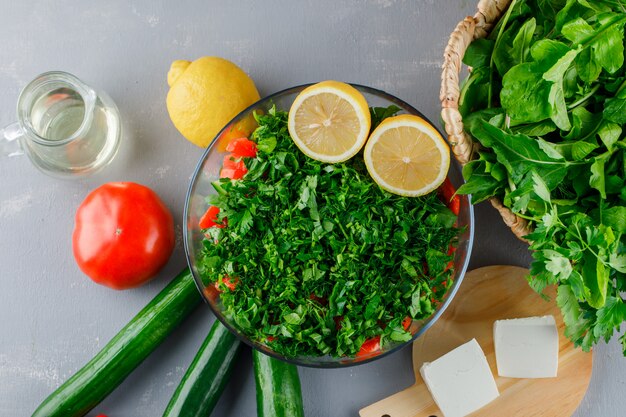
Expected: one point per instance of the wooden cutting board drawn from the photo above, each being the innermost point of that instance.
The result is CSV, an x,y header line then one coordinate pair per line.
x,y
489,294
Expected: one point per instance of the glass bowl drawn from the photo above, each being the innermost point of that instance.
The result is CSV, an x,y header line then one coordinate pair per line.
x,y
207,171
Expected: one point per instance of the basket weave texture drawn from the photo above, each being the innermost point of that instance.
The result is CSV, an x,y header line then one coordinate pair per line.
x,y
463,147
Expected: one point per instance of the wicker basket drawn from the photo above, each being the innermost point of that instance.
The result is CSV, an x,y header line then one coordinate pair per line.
x,y
463,147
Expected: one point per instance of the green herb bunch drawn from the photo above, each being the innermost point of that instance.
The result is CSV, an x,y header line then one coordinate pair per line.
x,y
546,99
323,258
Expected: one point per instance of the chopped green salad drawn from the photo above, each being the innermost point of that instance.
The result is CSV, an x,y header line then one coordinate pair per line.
x,y
315,259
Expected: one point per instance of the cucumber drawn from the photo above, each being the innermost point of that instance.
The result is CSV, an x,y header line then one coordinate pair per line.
x,y
102,374
207,375
278,391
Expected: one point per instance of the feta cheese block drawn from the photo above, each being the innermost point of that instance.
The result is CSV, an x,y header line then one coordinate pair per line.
x,y
527,347
460,381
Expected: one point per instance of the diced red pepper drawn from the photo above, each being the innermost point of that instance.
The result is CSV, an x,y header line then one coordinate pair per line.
x,y
209,219
369,347
447,192
242,147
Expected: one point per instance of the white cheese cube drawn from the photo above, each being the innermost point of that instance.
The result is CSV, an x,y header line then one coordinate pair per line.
x,y
527,348
460,381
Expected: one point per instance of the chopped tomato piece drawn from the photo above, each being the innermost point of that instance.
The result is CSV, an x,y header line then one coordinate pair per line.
x,y
233,166
320,300
209,219
211,293
242,147
338,320
231,283
406,323
233,162
233,174
447,192
369,347
451,250
270,339
455,204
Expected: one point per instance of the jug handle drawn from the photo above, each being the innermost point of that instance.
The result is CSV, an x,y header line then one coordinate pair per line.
x,y
9,140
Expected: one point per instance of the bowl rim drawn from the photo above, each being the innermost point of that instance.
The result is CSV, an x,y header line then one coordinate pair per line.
x,y
428,322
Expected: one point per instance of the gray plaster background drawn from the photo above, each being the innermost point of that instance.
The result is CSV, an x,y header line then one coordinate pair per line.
x,y
53,319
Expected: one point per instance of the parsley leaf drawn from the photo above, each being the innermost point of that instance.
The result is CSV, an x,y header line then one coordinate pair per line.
x,y
378,114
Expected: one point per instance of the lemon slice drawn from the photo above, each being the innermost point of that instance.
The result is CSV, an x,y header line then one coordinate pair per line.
x,y
329,121
405,155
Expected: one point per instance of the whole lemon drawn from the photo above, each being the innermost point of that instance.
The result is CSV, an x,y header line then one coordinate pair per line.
x,y
205,95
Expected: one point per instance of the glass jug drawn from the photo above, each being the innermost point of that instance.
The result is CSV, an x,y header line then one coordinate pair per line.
x,y
64,126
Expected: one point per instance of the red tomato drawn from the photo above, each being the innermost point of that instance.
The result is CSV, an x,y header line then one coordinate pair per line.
x,y
123,235
211,292
230,283
209,219
406,323
451,251
320,300
242,147
338,320
369,347
233,174
233,168
101,415
452,200
233,162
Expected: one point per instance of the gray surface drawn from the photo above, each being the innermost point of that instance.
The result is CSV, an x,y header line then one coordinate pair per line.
x,y
53,319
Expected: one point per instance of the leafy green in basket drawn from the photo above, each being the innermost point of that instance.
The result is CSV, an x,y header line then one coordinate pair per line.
x,y
551,130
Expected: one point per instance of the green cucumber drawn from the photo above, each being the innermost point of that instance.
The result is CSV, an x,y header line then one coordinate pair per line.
x,y
101,375
207,375
278,391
